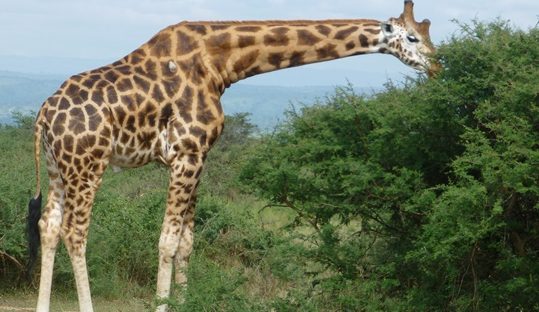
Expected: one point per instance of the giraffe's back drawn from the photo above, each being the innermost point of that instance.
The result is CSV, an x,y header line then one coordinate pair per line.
x,y
139,109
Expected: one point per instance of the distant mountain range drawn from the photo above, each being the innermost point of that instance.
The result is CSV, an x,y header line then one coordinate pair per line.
x,y
26,92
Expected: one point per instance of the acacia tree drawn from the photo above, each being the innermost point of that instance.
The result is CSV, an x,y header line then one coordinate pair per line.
x,y
423,196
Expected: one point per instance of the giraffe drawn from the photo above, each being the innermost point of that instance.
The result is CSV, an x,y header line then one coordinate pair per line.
x,y
162,103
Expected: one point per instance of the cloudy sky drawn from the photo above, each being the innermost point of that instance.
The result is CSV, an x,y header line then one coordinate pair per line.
x,y
44,33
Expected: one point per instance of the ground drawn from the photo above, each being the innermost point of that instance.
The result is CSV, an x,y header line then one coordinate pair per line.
x,y
26,302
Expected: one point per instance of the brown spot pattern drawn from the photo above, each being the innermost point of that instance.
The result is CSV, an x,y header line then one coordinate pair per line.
x,y
248,28
328,51
186,44
323,29
276,59
277,37
160,45
364,41
245,62
307,38
245,41
345,33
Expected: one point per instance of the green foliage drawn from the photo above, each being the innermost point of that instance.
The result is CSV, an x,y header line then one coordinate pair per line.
x,y
126,224
16,187
229,256
226,157
23,121
214,289
422,197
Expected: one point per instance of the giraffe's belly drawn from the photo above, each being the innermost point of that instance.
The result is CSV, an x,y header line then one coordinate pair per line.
x,y
134,150
130,159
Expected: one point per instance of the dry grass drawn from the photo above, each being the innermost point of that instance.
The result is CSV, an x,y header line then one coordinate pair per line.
x,y
63,303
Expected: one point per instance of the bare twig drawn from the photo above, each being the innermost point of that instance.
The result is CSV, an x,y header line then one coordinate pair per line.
x,y
302,215
475,299
471,265
12,259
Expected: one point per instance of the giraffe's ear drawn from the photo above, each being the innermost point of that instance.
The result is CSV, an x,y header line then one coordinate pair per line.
x,y
387,29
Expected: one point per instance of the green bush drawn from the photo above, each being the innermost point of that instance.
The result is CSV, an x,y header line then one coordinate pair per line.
x,y
229,256
421,197
16,187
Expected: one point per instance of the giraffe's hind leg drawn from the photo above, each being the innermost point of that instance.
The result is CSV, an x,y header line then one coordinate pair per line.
x,y
50,227
81,173
80,192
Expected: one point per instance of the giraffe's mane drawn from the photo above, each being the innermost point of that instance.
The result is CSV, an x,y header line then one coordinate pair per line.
x,y
279,22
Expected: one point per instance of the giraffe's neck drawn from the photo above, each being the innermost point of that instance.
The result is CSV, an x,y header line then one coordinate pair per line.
x,y
241,50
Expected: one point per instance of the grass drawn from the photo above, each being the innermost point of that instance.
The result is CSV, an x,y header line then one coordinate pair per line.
x,y
245,283
68,302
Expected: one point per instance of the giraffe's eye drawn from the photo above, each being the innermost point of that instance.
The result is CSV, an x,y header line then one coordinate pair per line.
x,y
412,39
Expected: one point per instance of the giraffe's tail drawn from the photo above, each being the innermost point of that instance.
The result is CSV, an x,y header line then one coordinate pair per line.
x,y
34,207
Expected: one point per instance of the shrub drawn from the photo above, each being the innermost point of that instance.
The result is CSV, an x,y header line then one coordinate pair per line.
x,y
426,194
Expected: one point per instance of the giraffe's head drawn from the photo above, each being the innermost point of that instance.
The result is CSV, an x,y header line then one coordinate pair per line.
x,y
409,40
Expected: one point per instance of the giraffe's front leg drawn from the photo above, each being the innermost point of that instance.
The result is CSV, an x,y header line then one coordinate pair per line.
x,y
182,185
181,259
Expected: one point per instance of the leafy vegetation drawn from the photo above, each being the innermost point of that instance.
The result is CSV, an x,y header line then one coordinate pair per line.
x,y
423,197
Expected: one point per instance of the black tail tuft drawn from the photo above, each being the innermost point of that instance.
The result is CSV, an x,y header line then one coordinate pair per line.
x,y
32,228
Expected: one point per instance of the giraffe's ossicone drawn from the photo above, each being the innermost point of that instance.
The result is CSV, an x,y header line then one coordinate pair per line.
x,y
162,103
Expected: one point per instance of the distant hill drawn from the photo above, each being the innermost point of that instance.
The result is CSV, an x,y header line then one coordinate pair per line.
x,y
267,104
26,92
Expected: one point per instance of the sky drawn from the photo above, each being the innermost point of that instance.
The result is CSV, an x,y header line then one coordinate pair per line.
x,y
69,36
